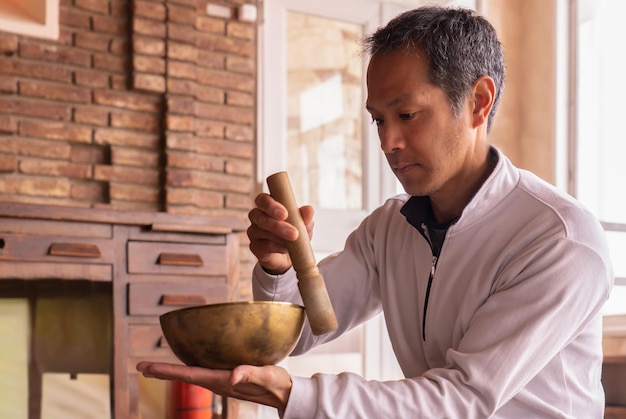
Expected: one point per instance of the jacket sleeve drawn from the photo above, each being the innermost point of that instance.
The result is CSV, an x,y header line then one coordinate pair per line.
x,y
351,279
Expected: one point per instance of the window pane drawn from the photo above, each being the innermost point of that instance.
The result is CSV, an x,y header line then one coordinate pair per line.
x,y
601,90
325,108
601,141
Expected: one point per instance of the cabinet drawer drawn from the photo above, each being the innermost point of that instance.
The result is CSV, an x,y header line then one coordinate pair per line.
x,y
147,341
176,258
53,248
156,298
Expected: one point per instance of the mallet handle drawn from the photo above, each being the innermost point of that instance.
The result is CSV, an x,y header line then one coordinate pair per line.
x,y
317,305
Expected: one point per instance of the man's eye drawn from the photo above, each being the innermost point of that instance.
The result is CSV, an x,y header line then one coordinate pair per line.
x,y
377,121
406,116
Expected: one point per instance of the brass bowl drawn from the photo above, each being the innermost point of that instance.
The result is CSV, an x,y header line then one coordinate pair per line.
x,y
223,336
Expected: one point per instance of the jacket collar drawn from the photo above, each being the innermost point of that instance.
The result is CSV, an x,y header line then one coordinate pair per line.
x,y
496,187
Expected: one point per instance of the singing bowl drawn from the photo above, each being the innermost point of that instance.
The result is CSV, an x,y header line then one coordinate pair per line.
x,y
223,336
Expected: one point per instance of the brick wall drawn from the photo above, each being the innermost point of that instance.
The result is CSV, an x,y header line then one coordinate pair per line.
x,y
140,105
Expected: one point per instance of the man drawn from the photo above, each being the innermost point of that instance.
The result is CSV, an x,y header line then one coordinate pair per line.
x,y
491,280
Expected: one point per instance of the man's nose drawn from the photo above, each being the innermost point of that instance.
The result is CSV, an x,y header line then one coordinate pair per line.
x,y
391,138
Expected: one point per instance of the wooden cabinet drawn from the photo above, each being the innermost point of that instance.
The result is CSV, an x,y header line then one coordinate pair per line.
x,y
145,264
614,367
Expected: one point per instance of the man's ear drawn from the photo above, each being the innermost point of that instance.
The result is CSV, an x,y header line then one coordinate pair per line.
x,y
483,95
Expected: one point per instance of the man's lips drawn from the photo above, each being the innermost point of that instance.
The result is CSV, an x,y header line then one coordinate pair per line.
x,y
403,167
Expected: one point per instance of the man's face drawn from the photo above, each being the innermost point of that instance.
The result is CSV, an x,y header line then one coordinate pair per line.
x,y
426,145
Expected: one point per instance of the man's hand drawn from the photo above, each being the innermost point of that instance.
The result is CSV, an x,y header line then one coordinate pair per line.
x,y
269,385
269,232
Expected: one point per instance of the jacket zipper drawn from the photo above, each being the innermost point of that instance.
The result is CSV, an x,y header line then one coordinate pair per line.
x,y
426,298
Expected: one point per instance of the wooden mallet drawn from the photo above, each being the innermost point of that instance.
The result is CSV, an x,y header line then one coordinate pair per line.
x,y
317,305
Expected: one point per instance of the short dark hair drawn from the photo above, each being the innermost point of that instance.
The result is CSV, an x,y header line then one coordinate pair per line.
x,y
460,46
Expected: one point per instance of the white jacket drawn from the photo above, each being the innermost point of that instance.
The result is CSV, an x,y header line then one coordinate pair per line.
x,y
513,326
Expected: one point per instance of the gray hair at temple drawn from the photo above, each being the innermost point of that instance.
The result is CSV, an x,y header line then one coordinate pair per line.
x,y
460,45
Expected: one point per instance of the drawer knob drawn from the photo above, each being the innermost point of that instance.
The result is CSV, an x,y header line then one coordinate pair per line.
x,y
179,259
163,343
182,300
83,250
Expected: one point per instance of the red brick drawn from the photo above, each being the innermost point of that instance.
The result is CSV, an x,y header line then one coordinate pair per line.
x,y
182,15
206,128
66,37
174,141
210,94
181,70
240,30
91,154
147,64
149,9
210,24
225,113
56,131
7,144
239,201
8,44
222,44
127,100
116,64
8,163
126,174
149,28
210,181
226,148
211,60
8,124
120,8
149,82
119,46
92,191
91,115
181,105
54,168
74,18
226,80
111,136
239,99
241,167
239,133
182,52
55,54
148,46
55,92
240,65
111,25
43,148
180,123
134,120
8,84
128,192
196,197
92,41
181,87
129,156
190,3
97,6
36,108
194,161
119,82
35,70
91,78
181,33
48,187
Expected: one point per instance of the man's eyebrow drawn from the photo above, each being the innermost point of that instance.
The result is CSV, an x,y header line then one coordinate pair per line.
x,y
393,102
